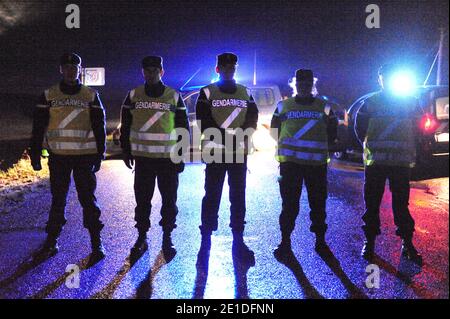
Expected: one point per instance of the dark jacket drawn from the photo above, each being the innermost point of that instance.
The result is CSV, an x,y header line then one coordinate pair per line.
x,y
41,117
403,104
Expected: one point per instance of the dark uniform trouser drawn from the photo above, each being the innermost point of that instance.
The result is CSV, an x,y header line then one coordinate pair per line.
x,y
214,179
375,180
292,176
61,168
166,174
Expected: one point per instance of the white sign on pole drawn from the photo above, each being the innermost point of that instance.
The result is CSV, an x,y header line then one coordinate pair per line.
x,y
94,76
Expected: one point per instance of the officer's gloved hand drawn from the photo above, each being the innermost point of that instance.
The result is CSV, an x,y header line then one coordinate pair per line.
x,y
180,167
36,162
128,159
97,164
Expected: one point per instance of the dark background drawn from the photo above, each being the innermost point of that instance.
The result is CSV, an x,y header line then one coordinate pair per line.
x,y
328,36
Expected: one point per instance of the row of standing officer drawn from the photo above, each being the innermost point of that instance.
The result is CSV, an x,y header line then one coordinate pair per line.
x,y
386,125
70,119
73,117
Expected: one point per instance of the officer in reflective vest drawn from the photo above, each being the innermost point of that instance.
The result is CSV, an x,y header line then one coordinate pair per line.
x,y
71,117
150,115
305,125
225,108
386,126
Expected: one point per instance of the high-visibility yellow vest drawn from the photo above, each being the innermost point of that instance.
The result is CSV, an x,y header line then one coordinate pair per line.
x,y
303,135
70,131
390,135
228,111
153,126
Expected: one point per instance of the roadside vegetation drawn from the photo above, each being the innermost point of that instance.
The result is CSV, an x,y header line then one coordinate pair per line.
x,y
18,180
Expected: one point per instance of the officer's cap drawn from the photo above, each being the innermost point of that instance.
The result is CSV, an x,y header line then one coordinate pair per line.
x,y
304,75
227,58
70,58
152,61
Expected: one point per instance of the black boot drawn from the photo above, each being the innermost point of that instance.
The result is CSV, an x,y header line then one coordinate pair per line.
x,y
98,252
368,250
240,249
284,250
49,248
410,252
168,249
321,245
141,245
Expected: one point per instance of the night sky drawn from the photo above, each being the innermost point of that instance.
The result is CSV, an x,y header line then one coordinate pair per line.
x,y
329,37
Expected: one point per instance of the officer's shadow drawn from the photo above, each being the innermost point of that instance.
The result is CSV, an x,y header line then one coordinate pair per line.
x,y
37,258
24,267
84,264
334,264
241,269
404,274
291,262
145,288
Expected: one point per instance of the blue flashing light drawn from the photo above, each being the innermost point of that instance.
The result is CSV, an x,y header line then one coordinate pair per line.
x,y
402,83
217,78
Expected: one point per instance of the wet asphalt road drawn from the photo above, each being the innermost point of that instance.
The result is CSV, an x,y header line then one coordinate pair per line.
x,y
341,275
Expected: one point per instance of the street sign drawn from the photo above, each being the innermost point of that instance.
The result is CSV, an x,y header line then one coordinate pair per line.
x,y
93,76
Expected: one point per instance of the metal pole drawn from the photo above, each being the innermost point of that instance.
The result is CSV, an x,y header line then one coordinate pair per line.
x,y
440,52
254,70
431,68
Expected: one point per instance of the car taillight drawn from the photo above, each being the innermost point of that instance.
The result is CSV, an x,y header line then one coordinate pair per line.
x,y
428,124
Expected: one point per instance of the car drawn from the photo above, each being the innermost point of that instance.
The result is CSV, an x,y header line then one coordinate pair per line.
x,y
433,140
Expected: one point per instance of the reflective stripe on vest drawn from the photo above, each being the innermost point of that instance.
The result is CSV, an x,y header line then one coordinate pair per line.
x,y
71,146
153,125
303,137
151,121
231,118
70,131
153,136
389,130
390,144
303,155
151,149
392,157
307,144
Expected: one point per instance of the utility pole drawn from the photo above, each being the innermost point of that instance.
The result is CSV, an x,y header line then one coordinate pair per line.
x,y
440,53
254,70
